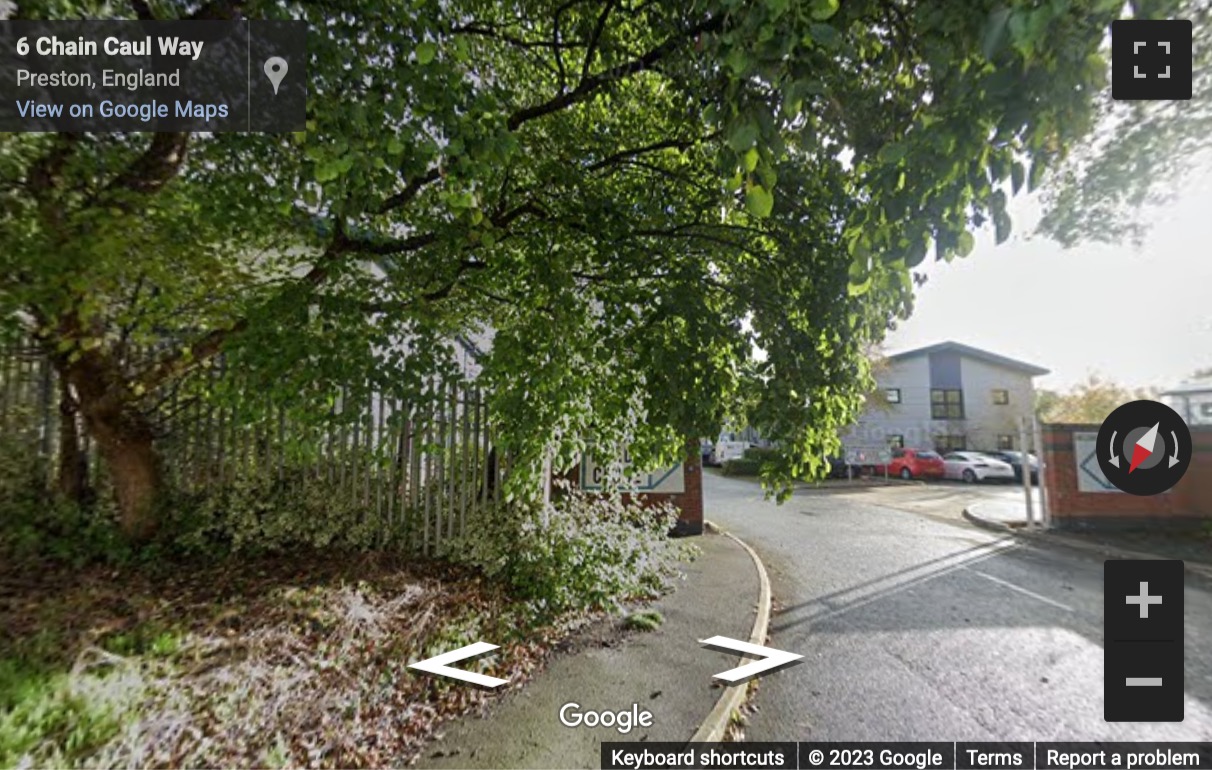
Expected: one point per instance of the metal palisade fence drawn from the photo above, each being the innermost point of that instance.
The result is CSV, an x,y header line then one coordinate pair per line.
x,y
417,471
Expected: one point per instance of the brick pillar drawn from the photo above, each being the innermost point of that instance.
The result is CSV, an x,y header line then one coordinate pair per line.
x,y
690,502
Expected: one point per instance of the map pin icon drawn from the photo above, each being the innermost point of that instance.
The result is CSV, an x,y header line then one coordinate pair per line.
x,y
275,70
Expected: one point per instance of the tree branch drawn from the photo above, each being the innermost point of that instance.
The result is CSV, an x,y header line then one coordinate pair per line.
x,y
45,174
584,90
483,30
594,39
389,246
561,75
589,85
158,164
405,196
154,164
183,359
142,10
679,144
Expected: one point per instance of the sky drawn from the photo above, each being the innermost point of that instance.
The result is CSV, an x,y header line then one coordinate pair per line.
x,y
1139,317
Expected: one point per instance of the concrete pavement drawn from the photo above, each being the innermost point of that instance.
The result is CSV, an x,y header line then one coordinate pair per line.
x,y
665,672
1193,548
916,626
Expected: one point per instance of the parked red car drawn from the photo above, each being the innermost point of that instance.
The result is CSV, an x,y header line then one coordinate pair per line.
x,y
915,464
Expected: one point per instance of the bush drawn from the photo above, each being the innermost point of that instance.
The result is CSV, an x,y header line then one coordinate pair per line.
x,y
34,522
257,512
584,552
762,454
742,467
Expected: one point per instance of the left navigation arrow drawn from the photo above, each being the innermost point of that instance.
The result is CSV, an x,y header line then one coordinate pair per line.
x,y
438,664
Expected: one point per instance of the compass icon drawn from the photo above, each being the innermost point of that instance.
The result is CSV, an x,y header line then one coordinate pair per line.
x,y
1144,447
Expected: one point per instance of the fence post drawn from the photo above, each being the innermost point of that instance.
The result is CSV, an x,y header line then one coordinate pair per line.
x,y
46,415
1045,515
414,476
464,492
427,462
1026,469
452,448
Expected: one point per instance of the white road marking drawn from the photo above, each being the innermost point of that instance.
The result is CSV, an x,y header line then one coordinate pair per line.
x,y
852,599
1024,591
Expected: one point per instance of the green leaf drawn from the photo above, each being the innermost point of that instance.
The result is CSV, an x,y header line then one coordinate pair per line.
x,y
1038,167
825,34
767,175
1001,223
893,152
743,136
965,243
738,61
997,168
822,9
759,201
751,159
328,170
1016,177
997,201
426,52
777,7
995,31
860,250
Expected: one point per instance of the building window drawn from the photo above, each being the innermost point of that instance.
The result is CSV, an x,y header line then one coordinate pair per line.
x,y
896,441
1005,442
1001,397
892,395
946,404
945,444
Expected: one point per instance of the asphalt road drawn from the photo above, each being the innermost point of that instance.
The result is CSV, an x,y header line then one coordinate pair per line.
x,y
918,626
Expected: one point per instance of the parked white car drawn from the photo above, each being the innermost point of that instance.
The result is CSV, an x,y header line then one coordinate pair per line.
x,y
723,451
974,466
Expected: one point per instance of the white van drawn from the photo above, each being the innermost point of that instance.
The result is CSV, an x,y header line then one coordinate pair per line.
x,y
725,450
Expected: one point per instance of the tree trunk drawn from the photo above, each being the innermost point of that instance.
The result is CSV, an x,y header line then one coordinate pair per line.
x,y
72,478
126,442
128,447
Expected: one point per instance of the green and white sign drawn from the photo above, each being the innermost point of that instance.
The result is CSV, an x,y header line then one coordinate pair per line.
x,y
1090,477
671,480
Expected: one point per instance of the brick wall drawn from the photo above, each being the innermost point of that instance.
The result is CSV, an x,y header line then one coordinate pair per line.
x,y
1187,506
690,502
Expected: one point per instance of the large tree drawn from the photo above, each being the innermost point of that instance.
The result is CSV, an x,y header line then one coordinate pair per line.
x,y
666,213
1087,402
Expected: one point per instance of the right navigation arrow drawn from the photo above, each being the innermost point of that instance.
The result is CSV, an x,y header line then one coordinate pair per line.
x,y
772,659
